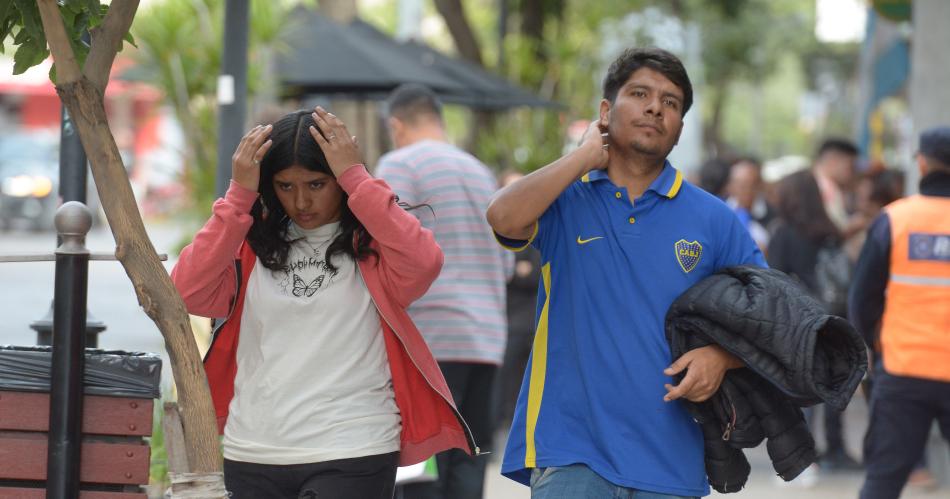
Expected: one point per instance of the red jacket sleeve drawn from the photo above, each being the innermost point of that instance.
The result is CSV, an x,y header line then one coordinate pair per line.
x,y
205,273
410,259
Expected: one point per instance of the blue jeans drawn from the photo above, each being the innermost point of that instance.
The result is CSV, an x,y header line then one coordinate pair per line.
x,y
577,481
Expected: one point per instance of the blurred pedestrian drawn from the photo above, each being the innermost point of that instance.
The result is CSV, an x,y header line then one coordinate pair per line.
x,y
835,166
806,245
320,381
462,317
621,235
899,302
746,196
875,189
713,176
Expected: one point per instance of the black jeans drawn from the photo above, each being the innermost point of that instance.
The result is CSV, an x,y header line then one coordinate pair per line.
x,y
902,412
462,476
370,477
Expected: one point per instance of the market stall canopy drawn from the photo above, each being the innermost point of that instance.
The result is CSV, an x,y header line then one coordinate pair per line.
x,y
357,60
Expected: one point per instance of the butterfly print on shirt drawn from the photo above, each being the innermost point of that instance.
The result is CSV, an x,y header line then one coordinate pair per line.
x,y
301,288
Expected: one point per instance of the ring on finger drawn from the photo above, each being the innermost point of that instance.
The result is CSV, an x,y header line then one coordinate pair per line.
x,y
331,136
256,161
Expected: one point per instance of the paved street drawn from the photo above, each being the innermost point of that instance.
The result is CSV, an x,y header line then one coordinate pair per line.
x,y
26,290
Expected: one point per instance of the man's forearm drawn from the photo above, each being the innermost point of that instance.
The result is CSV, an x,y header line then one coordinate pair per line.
x,y
514,209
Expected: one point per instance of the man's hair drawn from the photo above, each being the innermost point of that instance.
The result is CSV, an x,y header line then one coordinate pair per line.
x,y
411,101
839,145
656,59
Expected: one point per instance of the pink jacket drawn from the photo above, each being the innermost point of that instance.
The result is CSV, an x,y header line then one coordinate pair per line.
x,y
409,260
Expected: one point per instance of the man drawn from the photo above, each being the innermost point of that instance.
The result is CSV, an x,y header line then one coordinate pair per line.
x,y
462,317
900,302
834,169
747,199
621,235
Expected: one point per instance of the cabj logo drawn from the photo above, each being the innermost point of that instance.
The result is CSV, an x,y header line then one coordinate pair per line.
x,y
688,254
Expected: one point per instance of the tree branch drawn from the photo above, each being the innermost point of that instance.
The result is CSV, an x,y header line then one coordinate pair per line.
x,y
67,69
107,41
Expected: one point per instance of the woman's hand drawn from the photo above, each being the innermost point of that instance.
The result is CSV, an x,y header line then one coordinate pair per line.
x,y
340,148
246,161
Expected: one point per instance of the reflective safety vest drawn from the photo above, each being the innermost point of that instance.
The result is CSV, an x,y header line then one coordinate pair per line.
x,y
915,329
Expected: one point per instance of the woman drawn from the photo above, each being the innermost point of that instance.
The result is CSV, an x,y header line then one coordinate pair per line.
x,y
314,263
801,230
806,244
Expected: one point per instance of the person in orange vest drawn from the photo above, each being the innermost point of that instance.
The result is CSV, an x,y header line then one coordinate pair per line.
x,y
900,302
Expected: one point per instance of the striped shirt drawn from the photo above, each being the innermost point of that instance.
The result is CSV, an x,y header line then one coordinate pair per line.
x,y
462,317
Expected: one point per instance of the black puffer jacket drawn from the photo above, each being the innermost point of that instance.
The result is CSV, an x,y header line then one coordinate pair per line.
x,y
796,355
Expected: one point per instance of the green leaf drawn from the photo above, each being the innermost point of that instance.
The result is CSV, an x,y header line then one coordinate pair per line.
x,y
130,40
52,73
29,55
30,15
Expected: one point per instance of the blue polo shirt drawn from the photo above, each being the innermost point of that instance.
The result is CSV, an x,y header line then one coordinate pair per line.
x,y
593,388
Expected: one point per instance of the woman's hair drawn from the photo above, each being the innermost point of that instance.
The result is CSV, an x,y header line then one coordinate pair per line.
x,y
294,146
801,207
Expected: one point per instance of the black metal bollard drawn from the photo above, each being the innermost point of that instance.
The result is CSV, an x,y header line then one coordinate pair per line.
x,y
73,222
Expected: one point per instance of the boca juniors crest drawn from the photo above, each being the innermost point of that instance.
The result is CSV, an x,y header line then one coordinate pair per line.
x,y
688,254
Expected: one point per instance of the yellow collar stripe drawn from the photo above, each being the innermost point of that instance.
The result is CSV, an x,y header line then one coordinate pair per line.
x,y
677,183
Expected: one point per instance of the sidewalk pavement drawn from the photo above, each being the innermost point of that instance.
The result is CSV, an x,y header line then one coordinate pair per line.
x,y
763,484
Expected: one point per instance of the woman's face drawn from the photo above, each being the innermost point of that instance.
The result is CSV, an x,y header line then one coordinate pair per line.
x,y
309,198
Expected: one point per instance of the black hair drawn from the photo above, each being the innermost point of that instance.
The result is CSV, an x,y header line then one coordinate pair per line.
x,y
656,59
410,101
800,206
292,145
839,145
714,175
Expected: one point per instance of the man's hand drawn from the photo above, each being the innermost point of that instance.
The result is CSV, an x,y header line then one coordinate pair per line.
x,y
705,368
594,142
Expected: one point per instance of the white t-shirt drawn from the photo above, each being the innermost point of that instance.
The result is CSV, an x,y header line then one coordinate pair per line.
x,y
313,382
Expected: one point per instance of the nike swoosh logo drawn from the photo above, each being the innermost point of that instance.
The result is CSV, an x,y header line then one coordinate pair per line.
x,y
585,241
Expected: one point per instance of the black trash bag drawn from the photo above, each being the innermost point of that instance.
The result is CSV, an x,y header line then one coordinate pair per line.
x,y
112,373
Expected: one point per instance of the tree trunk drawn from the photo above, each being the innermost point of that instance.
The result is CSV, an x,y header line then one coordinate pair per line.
x,y
712,134
462,33
81,91
341,11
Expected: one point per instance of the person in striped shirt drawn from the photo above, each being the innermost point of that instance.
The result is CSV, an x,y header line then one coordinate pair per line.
x,y
462,317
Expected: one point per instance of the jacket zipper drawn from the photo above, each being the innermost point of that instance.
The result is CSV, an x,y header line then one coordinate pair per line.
x,y
468,432
731,425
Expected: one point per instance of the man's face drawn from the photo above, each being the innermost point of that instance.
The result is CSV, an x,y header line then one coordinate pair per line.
x,y
744,183
840,167
646,116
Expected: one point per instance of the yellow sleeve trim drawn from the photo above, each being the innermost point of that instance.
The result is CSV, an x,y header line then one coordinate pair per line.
x,y
677,183
519,248
586,177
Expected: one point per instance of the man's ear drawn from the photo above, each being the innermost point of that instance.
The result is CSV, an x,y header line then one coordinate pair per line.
x,y
922,165
394,124
604,118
